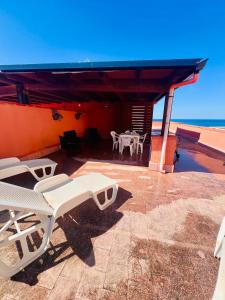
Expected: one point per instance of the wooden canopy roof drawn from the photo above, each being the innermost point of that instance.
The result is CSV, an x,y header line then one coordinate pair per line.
x,y
100,81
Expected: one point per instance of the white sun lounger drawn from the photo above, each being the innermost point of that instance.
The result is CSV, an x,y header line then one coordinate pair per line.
x,y
13,166
219,292
50,199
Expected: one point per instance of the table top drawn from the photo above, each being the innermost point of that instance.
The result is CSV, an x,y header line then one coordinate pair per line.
x,y
130,134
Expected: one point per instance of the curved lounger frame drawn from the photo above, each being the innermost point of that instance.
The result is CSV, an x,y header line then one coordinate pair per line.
x,y
50,199
13,166
219,292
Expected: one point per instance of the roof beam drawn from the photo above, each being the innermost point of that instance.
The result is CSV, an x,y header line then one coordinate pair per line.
x,y
8,90
117,88
22,97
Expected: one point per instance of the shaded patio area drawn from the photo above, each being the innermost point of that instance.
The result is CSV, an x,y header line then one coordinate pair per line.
x,y
102,151
155,242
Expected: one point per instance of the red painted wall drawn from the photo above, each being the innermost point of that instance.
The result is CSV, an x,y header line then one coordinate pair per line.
x,y
105,117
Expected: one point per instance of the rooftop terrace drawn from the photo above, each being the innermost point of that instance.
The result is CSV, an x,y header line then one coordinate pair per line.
x,y
155,242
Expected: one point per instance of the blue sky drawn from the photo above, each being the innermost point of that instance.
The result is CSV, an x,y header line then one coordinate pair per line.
x,y
64,31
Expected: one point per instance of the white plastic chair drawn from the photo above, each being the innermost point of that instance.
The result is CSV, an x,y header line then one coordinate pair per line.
x,y
127,141
115,138
50,199
134,132
219,292
14,166
140,144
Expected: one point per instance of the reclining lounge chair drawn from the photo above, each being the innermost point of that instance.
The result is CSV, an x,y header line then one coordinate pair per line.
x,y
219,292
50,199
13,166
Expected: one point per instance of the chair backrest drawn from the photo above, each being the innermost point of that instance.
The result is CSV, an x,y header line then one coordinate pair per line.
x,y
70,135
62,142
92,135
21,199
113,134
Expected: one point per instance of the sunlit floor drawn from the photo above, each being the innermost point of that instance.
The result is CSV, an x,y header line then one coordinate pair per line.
x,y
155,242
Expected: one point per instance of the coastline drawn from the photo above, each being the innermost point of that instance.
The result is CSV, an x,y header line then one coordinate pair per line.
x,y
212,137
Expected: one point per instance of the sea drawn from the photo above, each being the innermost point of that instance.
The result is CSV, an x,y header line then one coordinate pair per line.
x,y
218,123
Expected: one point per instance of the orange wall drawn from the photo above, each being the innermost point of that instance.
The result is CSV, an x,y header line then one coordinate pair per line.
x,y
25,130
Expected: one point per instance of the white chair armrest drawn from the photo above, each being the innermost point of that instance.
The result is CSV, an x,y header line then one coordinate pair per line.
x,y
51,182
8,161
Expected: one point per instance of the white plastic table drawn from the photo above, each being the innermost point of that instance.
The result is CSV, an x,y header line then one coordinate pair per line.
x,y
134,136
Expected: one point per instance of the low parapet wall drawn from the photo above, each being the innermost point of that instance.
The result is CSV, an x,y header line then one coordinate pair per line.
x,y
210,137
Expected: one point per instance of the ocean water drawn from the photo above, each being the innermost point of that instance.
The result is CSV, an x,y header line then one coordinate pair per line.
x,y
201,122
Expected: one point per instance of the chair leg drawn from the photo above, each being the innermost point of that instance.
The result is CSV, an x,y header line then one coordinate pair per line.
x,y
137,150
38,178
107,201
28,257
121,150
131,151
219,292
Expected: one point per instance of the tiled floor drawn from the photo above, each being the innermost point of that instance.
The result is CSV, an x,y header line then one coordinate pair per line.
x,y
155,242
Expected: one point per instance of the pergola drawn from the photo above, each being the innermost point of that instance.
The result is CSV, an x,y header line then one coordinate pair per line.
x,y
130,83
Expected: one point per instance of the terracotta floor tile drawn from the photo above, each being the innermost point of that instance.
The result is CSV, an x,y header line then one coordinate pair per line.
x,y
74,268
119,254
139,225
107,295
114,276
64,289
98,259
48,277
90,285
160,233
122,239
105,241
124,223
20,290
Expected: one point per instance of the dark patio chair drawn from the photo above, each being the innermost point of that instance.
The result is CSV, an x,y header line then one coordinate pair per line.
x,y
70,142
92,136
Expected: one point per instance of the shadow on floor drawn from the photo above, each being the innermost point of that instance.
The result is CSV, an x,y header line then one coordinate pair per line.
x,y
80,226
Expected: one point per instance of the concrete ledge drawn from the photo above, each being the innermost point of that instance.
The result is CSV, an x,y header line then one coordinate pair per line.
x,y
209,147
213,138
